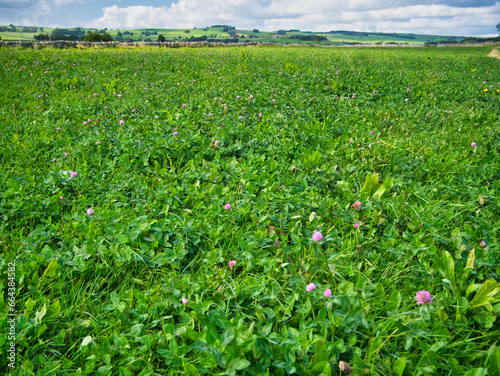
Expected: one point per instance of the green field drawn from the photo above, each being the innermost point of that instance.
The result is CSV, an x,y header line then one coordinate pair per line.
x,y
161,211
332,38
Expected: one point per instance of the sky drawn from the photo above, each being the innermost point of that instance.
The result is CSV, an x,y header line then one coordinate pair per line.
x,y
442,17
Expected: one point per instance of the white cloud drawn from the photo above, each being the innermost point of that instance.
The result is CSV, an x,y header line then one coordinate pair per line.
x,y
41,12
418,16
61,3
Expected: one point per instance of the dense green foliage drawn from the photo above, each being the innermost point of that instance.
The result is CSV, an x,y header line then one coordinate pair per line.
x,y
162,140
311,37
74,31
98,37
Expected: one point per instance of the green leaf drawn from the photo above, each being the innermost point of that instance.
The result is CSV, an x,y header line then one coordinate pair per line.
x,y
190,369
476,372
86,341
266,329
119,340
227,337
115,298
51,269
470,260
265,347
41,329
239,364
137,330
472,288
320,353
487,295
494,361
29,305
104,371
124,372
173,346
437,346
290,357
388,184
316,157
55,307
399,366
379,192
321,368
39,314
345,187
370,186
449,267
212,335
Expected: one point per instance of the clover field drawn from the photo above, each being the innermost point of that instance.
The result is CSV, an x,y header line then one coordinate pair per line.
x,y
188,241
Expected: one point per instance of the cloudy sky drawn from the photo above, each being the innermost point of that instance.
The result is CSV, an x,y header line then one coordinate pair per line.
x,y
445,17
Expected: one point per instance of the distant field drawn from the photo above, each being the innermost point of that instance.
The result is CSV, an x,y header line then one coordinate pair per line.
x,y
16,36
337,37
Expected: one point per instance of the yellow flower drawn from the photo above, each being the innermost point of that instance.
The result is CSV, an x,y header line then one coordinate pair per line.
x,y
485,90
498,90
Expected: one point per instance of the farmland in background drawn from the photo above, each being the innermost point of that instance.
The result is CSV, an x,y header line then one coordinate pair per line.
x,y
221,33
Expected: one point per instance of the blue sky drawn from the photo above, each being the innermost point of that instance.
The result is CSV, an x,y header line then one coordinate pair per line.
x,y
446,17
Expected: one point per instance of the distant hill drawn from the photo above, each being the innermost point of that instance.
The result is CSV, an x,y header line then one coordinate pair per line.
x,y
226,33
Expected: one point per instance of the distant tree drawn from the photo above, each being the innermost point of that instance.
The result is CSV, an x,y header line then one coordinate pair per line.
x,y
119,34
198,39
315,38
74,31
161,38
29,29
42,37
106,37
92,37
256,31
187,31
498,27
281,32
98,37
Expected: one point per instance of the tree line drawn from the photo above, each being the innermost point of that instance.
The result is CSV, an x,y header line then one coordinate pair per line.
x,y
89,37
